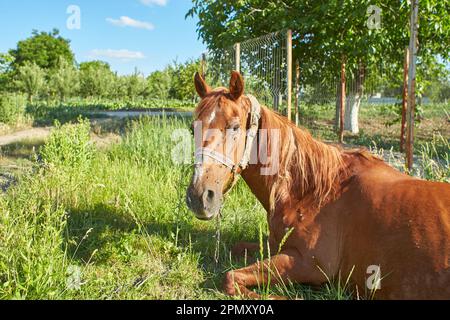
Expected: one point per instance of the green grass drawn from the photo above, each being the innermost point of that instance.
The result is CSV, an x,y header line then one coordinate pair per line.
x,y
380,125
118,216
45,113
112,224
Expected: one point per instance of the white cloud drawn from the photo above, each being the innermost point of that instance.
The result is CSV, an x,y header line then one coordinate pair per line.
x,y
122,54
160,3
129,22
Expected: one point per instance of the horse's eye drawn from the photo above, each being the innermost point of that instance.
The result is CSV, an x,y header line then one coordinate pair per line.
x,y
235,127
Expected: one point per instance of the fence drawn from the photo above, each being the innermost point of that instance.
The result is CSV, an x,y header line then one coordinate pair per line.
x,y
297,87
271,74
265,63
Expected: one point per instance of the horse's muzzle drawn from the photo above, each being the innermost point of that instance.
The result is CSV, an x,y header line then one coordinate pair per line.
x,y
205,204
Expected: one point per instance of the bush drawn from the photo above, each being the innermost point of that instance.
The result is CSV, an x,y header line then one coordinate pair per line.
x,y
68,146
12,107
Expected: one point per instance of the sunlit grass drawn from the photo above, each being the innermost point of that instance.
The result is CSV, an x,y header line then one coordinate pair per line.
x,y
112,223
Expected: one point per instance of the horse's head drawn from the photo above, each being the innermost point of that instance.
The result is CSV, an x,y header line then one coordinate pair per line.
x,y
220,127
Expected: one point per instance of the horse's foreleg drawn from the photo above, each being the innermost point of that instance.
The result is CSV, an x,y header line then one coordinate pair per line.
x,y
283,267
242,249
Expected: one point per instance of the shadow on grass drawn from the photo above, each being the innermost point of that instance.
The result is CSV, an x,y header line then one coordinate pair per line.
x,y
110,229
104,230
25,149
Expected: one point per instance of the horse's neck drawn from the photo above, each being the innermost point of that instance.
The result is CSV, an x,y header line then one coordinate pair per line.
x,y
259,186
263,187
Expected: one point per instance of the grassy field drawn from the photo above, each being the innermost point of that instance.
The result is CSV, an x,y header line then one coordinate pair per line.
x,y
90,222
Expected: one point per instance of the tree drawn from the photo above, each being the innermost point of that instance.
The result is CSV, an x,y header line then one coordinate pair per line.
x,y
31,79
96,79
182,86
328,31
44,49
135,85
158,84
6,74
64,80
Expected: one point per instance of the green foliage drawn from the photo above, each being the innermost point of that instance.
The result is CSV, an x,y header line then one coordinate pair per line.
x,y
120,220
64,81
437,87
324,31
47,57
182,84
435,159
135,86
96,79
68,146
30,79
43,49
12,107
6,74
159,83
6,61
32,257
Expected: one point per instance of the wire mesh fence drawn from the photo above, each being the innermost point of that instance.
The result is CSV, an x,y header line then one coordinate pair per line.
x,y
266,61
262,61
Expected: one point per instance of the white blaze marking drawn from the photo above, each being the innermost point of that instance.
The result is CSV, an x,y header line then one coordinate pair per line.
x,y
212,116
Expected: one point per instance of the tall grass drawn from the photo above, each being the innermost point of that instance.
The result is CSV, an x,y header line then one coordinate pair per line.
x,y
112,224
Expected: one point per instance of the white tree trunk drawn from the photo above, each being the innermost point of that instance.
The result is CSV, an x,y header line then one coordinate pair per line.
x,y
352,113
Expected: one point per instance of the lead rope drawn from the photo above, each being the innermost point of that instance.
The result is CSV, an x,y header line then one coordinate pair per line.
x,y
218,235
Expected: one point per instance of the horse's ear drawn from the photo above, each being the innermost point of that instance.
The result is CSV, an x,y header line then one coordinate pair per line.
x,y
200,85
236,85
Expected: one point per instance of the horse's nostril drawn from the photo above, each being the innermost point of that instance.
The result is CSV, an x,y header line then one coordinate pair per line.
x,y
210,195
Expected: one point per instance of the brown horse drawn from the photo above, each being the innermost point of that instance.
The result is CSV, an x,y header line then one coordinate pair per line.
x,y
346,212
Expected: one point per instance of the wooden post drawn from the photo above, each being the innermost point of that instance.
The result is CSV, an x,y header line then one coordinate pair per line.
x,y
237,52
413,46
289,74
342,104
203,65
297,93
404,100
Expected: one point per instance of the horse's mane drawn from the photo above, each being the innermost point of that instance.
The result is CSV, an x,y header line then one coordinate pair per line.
x,y
306,165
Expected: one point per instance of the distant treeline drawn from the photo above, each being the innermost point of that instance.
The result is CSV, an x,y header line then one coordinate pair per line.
x,y
43,67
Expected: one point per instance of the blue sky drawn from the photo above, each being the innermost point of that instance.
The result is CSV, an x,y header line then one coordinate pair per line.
x,y
147,34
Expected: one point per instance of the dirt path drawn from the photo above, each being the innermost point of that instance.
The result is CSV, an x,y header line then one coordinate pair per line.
x,y
28,134
42,133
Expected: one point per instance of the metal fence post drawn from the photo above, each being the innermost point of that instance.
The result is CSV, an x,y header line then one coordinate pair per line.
x,y
297,93
404,100
343,100
237,57
289,74
413,45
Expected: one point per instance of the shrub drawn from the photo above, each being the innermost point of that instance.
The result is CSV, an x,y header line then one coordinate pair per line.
x,y
12,107
68,146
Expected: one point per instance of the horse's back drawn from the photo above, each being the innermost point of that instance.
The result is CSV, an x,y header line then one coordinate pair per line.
x,y
406,223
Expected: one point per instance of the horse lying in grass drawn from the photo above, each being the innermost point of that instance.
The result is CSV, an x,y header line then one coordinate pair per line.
x,y
337,212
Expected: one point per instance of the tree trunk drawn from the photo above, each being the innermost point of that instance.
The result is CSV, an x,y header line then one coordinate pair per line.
x,y
353,104
352,112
